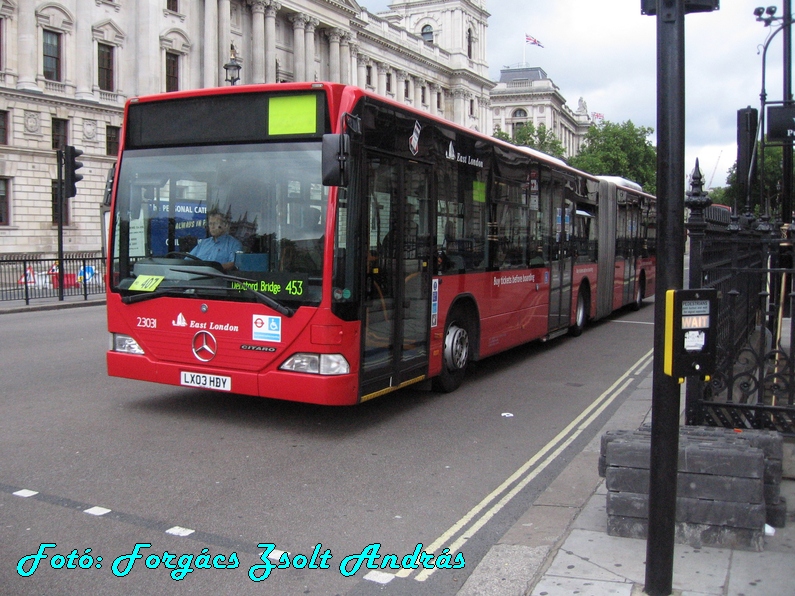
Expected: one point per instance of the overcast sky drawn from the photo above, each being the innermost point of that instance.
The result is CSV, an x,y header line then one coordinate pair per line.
x,y
605,52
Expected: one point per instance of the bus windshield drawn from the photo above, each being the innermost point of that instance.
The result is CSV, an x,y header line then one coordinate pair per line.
x,y
223,221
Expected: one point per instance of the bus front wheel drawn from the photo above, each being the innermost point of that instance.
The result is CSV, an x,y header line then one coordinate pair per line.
x,y
581,314
456,353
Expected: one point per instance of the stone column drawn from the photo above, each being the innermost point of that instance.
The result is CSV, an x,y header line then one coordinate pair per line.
x,y
258,49
311,25
345,58
84,47
400,83
224,38
460,97
361,70
418,83
26,45
382,68
270,41
299,46
210,49
334,36
433,90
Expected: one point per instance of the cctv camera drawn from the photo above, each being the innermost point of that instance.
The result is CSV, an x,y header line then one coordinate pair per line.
x,y
759,11
771,10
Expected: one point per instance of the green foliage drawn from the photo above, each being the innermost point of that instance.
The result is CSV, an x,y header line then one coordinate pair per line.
x,y
730,195
537,138
611,149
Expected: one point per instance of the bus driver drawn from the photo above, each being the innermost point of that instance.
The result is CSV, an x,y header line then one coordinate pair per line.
x,y
219,246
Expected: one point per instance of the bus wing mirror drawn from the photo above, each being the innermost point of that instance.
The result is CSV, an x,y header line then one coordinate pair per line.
x,y
336,151
109,186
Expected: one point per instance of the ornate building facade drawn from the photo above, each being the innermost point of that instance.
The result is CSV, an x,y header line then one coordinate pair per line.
x,y
68,66
526,95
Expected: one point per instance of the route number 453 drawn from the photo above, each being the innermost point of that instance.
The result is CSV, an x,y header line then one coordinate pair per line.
x,y
295,288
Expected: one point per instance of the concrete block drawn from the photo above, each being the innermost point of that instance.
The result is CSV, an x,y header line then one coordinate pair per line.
x,y
698,511
696,535
696,486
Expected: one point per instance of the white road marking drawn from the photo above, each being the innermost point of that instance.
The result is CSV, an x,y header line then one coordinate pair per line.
x,y
180,531
97,511
527,472
25,493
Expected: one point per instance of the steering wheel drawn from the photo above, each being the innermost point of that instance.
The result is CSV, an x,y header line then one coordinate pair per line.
x,y
183,255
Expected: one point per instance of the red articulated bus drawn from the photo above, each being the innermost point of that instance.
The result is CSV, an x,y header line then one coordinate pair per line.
x,y
318,243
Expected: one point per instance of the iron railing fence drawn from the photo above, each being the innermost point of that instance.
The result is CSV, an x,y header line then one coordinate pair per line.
x,y
751,266
30,278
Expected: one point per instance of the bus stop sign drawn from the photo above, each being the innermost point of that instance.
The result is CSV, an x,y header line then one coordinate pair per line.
x,y
781,123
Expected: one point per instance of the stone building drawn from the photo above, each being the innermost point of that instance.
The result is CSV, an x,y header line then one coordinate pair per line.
x,y
68,66
527,95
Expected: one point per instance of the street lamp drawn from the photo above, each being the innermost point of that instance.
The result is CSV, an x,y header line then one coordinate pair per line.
x,y
232,67
768,16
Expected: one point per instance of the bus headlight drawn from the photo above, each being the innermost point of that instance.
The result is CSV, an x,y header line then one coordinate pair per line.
x,y
125,344
318,364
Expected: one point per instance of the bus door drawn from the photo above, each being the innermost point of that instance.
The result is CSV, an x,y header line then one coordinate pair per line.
x,y
397,276
561,259
627,231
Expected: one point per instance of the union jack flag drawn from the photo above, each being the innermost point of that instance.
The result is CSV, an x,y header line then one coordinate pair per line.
x,y
598,116
532,40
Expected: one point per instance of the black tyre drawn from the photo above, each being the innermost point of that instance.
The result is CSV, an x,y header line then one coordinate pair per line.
x,y
581,314
640,291
456,353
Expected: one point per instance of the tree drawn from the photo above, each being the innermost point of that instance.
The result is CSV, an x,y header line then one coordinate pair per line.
x,y
611,149
540,138
730,194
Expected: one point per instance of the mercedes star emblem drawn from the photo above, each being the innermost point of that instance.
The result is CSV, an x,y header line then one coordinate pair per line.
x,y
204,346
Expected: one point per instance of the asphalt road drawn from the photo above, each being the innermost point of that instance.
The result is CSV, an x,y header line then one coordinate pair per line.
x,y
230,472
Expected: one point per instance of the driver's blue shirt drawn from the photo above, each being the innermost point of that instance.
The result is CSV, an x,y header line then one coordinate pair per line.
x,y
221,250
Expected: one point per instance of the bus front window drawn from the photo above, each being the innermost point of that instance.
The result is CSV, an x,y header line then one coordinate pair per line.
x,y
266,204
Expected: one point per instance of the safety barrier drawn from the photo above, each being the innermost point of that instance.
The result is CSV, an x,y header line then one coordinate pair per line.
x,y
34,278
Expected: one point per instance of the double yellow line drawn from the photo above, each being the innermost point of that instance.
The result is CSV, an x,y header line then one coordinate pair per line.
x,y
480,514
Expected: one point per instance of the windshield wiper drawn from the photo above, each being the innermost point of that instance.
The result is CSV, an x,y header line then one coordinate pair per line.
x,y
170,291
261,298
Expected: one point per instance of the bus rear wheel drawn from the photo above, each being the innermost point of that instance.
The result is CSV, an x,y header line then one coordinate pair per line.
x,y
456,353
581,314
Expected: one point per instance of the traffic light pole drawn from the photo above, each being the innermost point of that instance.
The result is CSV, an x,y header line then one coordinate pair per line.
x,y
60,200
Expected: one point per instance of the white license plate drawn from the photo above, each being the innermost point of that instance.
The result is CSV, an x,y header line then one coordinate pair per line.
x,y
204,381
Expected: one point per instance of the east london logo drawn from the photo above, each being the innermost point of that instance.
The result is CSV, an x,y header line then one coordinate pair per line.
x,y
453,155
180,321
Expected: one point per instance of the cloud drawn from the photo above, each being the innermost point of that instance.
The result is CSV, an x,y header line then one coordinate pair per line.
x,y
605,51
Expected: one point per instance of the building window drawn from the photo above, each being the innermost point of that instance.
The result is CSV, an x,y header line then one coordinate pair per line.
x,y
471,107
55,204
406,88
172,71
5,210
439,100
423,96
520,113
369,76
427,33
105,67
469,44
172,5
3,127
59,134
112,134
389,82
52,55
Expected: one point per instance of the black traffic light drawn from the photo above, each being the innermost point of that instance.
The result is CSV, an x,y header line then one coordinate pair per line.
x,y
71,165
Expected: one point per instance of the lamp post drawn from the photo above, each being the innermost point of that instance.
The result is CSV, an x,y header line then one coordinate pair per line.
x,y
232,67
768,17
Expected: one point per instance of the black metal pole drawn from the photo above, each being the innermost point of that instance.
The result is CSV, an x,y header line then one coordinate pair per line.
x,y
60,200
786,182
670,270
